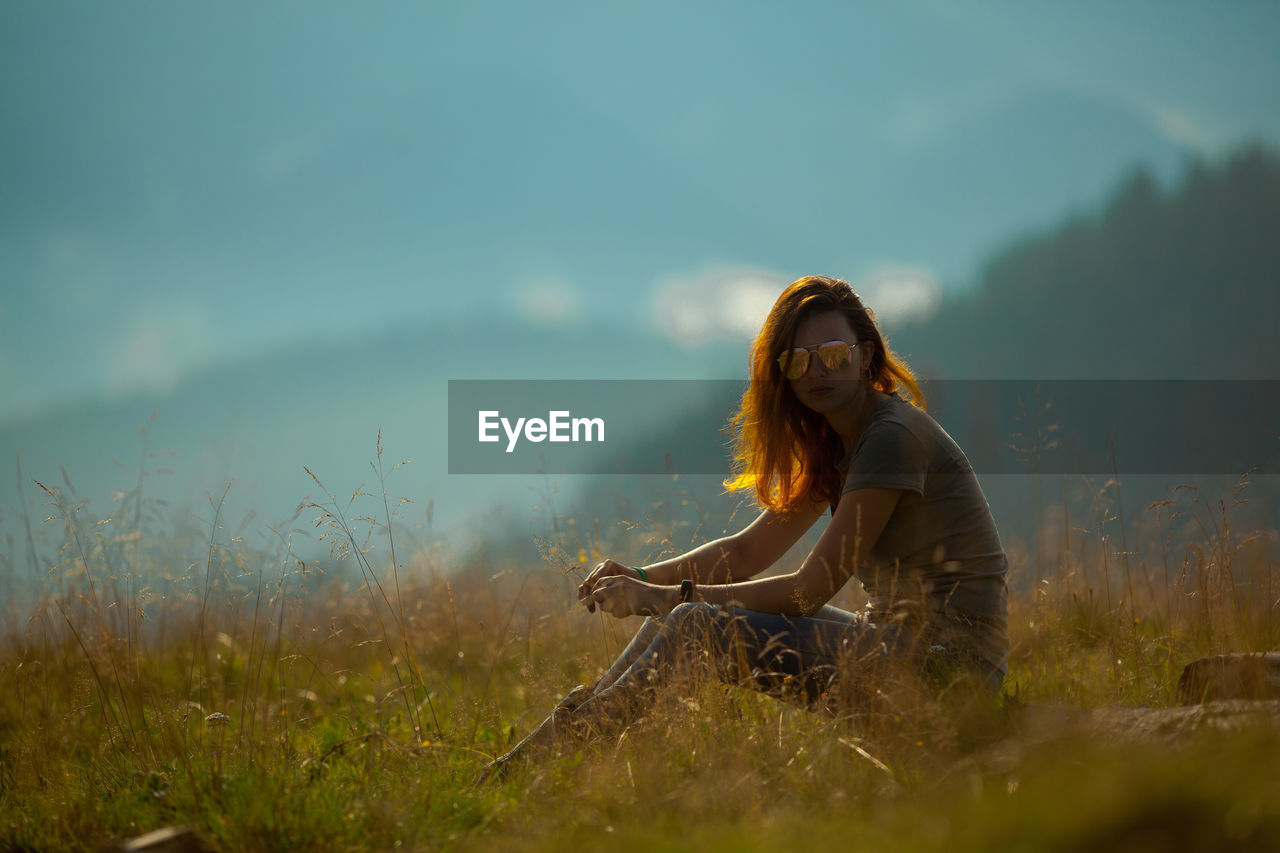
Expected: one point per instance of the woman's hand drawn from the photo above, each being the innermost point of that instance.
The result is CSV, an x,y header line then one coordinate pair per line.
x,y
621,595
607,569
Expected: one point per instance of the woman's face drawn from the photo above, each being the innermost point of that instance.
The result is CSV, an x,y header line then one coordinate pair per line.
x,y
822,388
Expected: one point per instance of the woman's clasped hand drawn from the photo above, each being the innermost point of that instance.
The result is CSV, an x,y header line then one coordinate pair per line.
x,y
618,590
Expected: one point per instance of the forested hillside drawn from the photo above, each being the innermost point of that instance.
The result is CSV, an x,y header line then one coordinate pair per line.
x,y
1178,284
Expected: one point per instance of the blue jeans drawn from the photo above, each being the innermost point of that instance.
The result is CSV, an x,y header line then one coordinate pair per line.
x,y
792,656
796,657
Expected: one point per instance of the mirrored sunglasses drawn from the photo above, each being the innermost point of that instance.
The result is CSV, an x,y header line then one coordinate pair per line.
x,y
834,355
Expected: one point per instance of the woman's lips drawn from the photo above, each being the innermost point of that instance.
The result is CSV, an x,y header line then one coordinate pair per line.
x,y
820,390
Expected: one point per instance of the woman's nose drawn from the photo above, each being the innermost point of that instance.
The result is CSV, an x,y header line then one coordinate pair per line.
x,y
816,369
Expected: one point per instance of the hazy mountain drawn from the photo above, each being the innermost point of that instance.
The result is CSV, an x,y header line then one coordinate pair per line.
x,y
260,422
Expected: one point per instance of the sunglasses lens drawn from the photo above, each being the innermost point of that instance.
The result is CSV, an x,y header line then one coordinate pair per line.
x,y
794,363
834,356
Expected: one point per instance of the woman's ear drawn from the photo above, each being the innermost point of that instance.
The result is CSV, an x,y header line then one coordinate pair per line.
x,y
868,354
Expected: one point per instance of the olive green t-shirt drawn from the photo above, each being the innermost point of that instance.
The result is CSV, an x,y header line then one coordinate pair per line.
x,y
940,547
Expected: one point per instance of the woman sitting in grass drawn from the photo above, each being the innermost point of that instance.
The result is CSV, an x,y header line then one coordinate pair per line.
x,y
820,427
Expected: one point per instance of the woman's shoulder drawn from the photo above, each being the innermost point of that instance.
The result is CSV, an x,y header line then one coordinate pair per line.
x,y
896,415
905,427
894,407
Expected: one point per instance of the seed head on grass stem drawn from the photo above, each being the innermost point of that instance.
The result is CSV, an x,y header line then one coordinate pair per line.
x,y
335,518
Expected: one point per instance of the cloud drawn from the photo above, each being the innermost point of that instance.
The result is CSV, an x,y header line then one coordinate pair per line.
x,y
1179,127
721,303
158,346
547,301
285,158
899,293
914,119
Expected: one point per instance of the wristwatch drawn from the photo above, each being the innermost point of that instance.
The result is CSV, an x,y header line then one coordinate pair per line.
x,y
686,590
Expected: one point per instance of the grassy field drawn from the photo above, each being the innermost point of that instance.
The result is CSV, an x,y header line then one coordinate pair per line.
x,y
270,704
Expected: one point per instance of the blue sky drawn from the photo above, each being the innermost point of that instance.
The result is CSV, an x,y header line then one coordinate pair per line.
x,y
186,185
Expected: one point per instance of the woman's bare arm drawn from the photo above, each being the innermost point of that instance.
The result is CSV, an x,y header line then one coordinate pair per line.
x,y
858,523
742,555
859,520
726,560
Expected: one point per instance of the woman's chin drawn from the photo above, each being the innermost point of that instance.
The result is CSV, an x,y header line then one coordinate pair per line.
x,y
821,403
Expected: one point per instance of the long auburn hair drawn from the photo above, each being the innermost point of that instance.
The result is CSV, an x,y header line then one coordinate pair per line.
x,y
783,449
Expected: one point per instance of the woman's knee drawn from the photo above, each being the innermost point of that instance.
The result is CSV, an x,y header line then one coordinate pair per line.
x,y
691,614
693,626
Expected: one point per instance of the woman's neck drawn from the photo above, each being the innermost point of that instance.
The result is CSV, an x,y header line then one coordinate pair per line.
x,y
849,422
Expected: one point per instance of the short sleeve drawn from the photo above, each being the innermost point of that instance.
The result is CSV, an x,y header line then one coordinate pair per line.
x,y
888,456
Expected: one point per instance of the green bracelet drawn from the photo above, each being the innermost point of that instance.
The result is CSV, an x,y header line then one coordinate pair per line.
x,y
644,576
